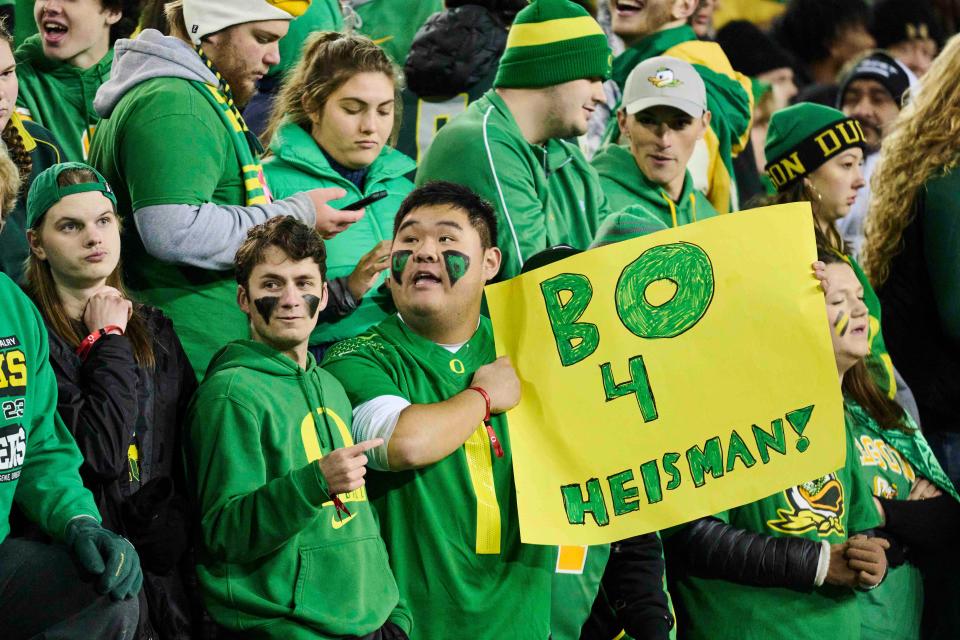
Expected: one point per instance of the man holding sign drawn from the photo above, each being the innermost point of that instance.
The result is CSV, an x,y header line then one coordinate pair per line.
x,y
428,383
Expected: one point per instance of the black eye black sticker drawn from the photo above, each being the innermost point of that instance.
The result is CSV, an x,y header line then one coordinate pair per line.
x,y
398,262
457,265
266,305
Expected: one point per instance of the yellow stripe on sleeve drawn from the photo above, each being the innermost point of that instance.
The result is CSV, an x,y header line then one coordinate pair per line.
x,y
480,465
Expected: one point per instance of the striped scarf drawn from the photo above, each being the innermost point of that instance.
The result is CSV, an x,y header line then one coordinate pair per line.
x,y
245,143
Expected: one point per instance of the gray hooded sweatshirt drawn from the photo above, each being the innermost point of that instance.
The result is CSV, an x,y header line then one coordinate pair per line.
x,y
208,235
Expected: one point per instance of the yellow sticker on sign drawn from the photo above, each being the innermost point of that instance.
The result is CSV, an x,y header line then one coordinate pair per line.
x,y
669,377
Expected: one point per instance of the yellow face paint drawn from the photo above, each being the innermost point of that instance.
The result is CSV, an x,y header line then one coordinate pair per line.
x,y
840,324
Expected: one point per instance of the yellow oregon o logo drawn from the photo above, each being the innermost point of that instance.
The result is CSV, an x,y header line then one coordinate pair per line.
x,y
308,433
457,367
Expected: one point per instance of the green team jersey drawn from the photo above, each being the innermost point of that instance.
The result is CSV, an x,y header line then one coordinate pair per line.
x,y
544,195
193,169
59,96
831,508
576,583
393,23
451,528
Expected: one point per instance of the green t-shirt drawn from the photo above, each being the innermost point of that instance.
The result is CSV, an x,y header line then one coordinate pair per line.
x,y
894,609
830,508
451,528
179,169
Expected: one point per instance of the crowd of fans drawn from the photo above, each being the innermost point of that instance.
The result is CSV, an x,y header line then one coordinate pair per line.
x,y
247,384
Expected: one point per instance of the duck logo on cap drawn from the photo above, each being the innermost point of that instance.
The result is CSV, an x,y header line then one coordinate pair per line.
x,y
664,79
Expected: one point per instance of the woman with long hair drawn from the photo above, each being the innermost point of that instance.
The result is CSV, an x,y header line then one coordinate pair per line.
x,y
917,504
815,154
330,127
123,381
912,250
31,147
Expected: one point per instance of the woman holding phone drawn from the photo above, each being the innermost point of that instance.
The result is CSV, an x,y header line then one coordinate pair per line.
x,y
330,128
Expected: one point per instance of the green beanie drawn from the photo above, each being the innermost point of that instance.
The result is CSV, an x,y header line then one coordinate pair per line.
x,y
45,192
551,42
803,137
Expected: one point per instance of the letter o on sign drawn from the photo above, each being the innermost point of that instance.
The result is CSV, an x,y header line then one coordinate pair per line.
x,y
688,267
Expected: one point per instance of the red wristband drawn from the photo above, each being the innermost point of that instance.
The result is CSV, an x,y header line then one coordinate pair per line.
x,y
87,343
494,441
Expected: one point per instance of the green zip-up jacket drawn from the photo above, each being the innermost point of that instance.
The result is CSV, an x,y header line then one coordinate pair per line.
x,y
59,96
276,558
298,164
44,153
642,206
729,99
544,195
39,459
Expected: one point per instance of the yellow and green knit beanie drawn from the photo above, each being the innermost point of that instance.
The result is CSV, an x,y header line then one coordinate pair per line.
x,y
551,42
804,136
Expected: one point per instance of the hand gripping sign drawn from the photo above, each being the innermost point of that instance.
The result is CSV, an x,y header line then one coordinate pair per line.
x,y
669,377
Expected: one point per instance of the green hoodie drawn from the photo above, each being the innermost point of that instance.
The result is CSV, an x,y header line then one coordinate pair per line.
x,y
544,195
39,459
275,556
642,206
393,23
59,96
298,164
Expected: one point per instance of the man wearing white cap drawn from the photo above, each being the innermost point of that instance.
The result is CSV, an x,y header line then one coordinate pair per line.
x,y
184,165
663,115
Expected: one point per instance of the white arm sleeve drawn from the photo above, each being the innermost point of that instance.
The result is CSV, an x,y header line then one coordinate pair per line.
x,y
377,418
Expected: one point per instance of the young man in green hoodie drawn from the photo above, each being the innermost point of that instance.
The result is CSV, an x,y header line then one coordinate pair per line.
x,y
61,68
290,545
509,146
185,167
663,116
652,28
42,586
427,382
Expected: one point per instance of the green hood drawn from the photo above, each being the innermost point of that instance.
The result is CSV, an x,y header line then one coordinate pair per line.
x,y
31,52
292,144
258,357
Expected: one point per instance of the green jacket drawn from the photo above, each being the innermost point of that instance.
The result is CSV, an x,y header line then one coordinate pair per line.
x,y
393,23
729,99
544,195
321,15
39,459
44,153
275,555
642,206
60,96
298,164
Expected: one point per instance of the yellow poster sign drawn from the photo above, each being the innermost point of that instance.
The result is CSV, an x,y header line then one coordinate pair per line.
x,y
669,377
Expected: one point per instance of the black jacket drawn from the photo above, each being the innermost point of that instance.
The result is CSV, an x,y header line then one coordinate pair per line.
x,y
925,356
127,422
632,594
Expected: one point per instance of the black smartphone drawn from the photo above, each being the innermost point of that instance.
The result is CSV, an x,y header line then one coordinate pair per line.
x,y
370,199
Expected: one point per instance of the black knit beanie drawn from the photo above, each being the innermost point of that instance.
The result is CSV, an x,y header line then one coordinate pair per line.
x,y
895,21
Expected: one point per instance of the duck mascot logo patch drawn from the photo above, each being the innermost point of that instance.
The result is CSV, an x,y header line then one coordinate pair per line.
x,y
817,506
664,79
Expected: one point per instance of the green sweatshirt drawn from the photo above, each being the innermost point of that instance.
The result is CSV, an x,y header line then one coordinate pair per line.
x,y
890,461
642,206
451,527
39,459
59,96
729,99
544,195
276,558
196,169
831,508
44,153
298,164
321,15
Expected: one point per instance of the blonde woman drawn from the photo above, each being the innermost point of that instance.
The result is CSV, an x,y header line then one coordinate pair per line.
x,y
912,250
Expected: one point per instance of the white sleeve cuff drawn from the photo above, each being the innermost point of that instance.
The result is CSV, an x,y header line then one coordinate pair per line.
x,y
823,564
377,418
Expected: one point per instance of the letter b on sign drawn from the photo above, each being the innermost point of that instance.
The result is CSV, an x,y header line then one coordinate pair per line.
x,y
687,267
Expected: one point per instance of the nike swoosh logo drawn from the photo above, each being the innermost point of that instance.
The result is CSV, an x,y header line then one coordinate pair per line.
x,y
382,40
336,522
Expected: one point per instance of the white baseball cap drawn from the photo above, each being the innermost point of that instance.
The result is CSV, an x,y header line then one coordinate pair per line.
x,y
665,81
